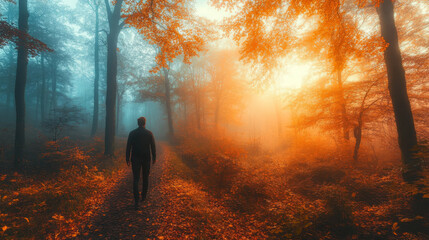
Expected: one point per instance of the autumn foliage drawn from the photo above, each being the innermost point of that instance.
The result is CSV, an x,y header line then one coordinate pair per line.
x,y
170,26
57,204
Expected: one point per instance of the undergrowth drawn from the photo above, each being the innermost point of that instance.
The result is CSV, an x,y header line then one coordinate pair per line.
x,y
294,195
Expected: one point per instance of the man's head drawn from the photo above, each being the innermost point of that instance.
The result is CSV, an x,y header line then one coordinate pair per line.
x,y
141,121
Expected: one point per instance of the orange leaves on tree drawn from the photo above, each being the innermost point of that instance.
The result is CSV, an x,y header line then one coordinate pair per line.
x,y
169,25
9,33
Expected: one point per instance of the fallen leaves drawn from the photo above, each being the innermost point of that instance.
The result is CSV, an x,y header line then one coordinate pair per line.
x,y
68,199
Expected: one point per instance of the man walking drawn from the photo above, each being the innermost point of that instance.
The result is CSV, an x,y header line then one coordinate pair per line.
x,y
140,145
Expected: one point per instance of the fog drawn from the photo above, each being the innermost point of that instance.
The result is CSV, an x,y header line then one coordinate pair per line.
x,y
272,119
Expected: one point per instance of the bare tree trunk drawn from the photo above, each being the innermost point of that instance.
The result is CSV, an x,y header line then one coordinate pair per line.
x,y
407,137
54,67
43,89
10,81
96,73
168,103
118,111
112,70
21,79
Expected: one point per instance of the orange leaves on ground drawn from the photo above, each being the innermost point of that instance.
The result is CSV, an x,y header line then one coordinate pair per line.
x,y
58,217
55,205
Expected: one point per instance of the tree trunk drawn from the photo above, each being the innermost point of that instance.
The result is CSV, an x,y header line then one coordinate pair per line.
x,y
12,62
198,109
358,136
168,103
43,90
96,74
112,70
21,78
398,92
54,84
111,93
118,112
10,81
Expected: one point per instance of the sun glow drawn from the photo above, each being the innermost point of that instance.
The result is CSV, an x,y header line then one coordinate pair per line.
x,y
293,75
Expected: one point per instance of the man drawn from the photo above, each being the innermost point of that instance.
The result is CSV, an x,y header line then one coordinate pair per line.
x,y
140,145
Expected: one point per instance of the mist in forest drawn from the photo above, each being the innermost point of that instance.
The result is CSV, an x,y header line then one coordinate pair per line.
x,y
272,119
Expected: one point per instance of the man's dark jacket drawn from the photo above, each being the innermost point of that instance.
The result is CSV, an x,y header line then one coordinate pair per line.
x,y
140,144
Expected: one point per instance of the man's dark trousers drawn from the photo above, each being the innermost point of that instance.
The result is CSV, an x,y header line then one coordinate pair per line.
x,y
140,165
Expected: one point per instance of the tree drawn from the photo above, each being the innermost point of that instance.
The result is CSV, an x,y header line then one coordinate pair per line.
x,y
168,101
21,79
170,26
61,118
20,36
407,137
268,28
158,87
26,45
225,88
53,69
95,4
115,27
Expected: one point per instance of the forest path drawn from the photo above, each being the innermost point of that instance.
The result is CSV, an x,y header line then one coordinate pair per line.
x,y
117,218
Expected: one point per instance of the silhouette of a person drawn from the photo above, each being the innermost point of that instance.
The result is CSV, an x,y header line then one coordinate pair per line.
x,y
140,146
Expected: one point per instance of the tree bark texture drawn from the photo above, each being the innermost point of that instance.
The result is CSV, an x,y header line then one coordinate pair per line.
x,y
43,90
407,138
112,70
21,79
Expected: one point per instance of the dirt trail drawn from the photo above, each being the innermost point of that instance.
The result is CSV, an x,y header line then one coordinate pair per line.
x,y
176,208
117,218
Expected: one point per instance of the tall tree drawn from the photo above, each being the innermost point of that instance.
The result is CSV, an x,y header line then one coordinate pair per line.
x,y
21,79
407,137
95,4
168,102
115,27
43,89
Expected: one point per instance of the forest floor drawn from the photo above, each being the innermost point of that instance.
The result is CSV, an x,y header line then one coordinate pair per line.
x,y
117,218
174,209
207,188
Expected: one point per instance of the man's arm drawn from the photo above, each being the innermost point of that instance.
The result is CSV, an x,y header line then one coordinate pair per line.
x,y
153,148
128,152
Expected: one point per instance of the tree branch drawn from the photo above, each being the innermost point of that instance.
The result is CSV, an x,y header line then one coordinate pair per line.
x,y
122,24
109,11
